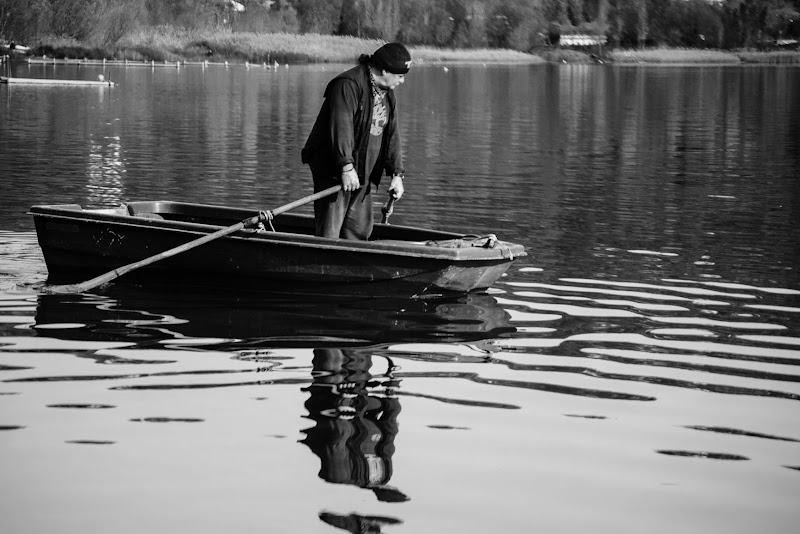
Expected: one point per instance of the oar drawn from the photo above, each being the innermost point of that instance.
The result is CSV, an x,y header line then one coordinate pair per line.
x,y
387,209
252,221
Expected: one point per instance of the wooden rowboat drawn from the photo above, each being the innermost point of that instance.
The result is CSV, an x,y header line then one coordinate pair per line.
x,y
78,243
51,81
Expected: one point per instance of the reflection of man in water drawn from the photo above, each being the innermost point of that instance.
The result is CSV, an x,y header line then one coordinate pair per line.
x,y
359,524
356,421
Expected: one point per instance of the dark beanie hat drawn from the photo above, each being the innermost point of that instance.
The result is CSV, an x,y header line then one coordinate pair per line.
x,y
392,57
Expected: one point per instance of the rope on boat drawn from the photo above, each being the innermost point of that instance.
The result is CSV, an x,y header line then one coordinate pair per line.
x,y
265,216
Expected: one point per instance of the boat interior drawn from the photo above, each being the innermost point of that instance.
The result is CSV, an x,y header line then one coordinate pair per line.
x,y
285,223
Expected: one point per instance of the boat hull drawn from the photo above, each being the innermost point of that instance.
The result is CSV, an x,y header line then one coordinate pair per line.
x,y
79,244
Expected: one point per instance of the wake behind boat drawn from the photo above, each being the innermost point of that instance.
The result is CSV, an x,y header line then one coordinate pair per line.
x,y
78,243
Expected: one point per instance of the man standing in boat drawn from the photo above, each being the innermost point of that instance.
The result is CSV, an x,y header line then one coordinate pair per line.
x,y
355,139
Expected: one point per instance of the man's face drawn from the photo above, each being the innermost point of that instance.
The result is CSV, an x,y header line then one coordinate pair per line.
x,y
387,80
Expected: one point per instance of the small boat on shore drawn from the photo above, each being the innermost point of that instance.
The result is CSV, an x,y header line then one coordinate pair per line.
x,y
78,243
51,81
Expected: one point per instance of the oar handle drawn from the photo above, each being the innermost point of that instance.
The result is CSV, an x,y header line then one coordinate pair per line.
x,y
251,221
306,200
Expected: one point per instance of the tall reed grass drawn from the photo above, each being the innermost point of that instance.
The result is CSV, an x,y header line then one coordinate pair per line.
x,y
673,55
777,56
430,54
689,56
169,43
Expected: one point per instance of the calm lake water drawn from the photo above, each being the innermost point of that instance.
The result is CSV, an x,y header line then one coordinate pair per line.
x,y
638,372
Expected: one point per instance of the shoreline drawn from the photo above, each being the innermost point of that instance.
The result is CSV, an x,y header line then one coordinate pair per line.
x,y
171,45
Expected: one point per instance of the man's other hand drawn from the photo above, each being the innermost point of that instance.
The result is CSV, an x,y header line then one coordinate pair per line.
x,y
396,186
350,180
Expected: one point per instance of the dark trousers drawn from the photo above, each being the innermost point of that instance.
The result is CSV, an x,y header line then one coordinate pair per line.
x,y
347,215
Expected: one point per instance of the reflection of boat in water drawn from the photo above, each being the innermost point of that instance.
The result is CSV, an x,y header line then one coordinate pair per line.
x,y
353,399
263,320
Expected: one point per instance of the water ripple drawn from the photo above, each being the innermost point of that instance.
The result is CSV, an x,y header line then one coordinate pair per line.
x,y
583,311
166,387
461,402
592,290
674,289
704,454
539,386
82,406
737,432
168,420
783,356
85,378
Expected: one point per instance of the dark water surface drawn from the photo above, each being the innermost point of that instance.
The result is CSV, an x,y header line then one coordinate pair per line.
x,y
638,372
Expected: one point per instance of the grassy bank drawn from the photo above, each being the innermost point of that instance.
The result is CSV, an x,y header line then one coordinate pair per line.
x,y
692,56
170,44
671,56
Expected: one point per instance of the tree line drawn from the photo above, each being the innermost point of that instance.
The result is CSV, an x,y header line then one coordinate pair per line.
x,y
523,25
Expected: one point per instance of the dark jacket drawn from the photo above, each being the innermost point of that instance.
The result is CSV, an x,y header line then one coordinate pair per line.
x,y
341,132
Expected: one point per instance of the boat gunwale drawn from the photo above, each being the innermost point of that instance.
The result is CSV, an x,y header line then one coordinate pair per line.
x,y
76,214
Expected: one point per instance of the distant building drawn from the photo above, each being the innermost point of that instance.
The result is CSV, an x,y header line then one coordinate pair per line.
x,y
582,40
